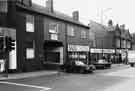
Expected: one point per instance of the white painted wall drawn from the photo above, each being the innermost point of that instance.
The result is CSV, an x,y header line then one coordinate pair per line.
x,y
12,59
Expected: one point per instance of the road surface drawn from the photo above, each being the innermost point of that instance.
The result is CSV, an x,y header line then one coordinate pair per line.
x,y
114,79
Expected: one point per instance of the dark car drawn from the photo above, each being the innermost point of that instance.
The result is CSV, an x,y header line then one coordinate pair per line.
x,y
77,66
102,63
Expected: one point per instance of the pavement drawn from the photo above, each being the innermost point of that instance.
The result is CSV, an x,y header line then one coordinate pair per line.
x,y
27,75
40,73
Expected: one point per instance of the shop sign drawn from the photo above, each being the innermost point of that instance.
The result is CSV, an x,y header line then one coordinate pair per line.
x,y
102,51
96,50
78,48
124,50
108,51
118,51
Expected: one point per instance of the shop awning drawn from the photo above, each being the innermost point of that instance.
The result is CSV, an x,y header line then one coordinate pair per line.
x,y
53,43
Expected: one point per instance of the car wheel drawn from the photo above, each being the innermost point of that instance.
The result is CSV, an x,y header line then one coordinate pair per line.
x,y
132,65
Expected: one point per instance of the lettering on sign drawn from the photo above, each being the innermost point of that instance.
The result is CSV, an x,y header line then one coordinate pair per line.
x,y
78,48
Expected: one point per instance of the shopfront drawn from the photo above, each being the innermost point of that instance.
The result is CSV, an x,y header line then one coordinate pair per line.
x,y
53,53
124,55
118,56
78,52
97,54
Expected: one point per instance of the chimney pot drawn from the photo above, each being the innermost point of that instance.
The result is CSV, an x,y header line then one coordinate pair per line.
x,y
49,5
76,15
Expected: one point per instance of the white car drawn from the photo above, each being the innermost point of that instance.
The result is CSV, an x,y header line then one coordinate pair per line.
x,y
102,63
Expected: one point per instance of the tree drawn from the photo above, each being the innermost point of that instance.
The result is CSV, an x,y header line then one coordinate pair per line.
x,y
110,23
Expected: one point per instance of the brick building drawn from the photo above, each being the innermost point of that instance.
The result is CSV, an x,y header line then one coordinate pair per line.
x,y
44,37
111,41
133,41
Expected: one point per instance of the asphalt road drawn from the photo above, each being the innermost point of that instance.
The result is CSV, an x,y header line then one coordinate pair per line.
x,y
100,80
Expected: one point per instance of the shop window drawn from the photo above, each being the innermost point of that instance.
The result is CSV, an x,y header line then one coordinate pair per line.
x,y
53,30
83,34
29,23
70,31
54,36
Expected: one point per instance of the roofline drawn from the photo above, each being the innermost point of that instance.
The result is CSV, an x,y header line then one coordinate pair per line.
x,y
51,15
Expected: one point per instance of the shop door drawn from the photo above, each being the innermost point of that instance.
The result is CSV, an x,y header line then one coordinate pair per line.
x,y
53,57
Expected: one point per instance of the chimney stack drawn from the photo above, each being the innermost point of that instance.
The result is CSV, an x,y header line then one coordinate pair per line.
x,y
122,26
75,15
49,5
26,2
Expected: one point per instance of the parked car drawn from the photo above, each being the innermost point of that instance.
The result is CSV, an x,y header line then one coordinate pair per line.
x,y
77,66
102,63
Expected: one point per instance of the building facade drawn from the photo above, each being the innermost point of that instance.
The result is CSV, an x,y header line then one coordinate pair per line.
x,y
113,42
133,41
44,38
123,42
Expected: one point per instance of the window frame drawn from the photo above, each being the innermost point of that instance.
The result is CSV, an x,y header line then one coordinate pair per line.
x,y
70,31
83,34
30,23
54,31
30,46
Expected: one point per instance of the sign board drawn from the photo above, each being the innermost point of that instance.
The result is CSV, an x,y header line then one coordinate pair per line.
x,y
102,51
96,50
78,48
118,51
131,56
108,51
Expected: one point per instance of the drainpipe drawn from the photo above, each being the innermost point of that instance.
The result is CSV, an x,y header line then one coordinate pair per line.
x,y
66,44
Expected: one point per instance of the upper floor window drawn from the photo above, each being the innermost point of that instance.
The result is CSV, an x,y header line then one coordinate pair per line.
x,y
128,44
3,6
83,34
117,43
70,31
123,43
29,23
53,30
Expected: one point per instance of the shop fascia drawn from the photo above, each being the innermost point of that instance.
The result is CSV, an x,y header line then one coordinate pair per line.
x,y
95,50
78,48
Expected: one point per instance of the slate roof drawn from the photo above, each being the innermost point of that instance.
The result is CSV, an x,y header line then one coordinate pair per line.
x,y
58,15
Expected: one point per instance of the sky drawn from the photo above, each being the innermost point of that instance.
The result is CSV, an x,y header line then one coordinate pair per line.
x,y
120,11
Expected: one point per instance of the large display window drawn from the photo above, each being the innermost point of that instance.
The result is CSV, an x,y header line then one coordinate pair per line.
x,y
78,52
81,56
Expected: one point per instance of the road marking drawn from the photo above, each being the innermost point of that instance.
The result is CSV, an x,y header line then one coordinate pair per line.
x,y
25,85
